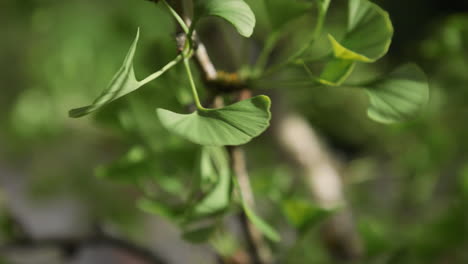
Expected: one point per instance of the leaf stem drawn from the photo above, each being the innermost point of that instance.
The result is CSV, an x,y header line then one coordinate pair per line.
x,y
155,75
264,54
177,17
192,84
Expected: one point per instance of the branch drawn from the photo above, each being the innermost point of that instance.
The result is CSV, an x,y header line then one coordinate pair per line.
x,y
261,253
70,245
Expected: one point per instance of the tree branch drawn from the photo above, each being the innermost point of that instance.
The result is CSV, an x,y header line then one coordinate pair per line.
x,y
261,253
301,143
71,245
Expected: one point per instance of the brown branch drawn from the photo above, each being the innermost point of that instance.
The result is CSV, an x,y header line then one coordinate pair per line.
x,y
261,253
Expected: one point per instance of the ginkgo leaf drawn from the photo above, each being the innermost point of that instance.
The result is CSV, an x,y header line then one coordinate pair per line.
x,y
336,71
398,96
214,164
122,83
236,12
369,33
235,124
281,12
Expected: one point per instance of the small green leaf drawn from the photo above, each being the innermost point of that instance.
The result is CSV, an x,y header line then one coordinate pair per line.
x,y
157,208
128,169
264,227
280,12
398,96
235,124
304,214
336,71
369,33
122,83
214,164
199,235
236,12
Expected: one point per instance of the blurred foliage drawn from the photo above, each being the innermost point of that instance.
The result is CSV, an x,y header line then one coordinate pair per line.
x,y
407,183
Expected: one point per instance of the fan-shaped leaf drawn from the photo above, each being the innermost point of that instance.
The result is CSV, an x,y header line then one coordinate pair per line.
x,y
369,33
235,124
399,96
124,82
236,12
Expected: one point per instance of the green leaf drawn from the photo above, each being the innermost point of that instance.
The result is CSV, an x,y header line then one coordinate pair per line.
x,y
199,235
280,12
154,207
398,96
236,12
263,226
235,124
214,164
369,33
128,169
336,71
122,83
304,214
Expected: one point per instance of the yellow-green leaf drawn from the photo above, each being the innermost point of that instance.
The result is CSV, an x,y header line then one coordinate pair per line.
x,y
336,71
369,33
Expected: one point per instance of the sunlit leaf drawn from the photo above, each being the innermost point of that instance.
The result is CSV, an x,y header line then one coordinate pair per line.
x,y
236,12
334,73
235,124
398,96
122,83
369,33
214,164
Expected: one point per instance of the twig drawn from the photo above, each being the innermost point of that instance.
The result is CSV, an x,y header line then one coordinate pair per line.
x,y
261,253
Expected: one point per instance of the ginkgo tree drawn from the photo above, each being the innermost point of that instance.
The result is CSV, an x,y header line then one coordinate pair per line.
x,y
395,97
